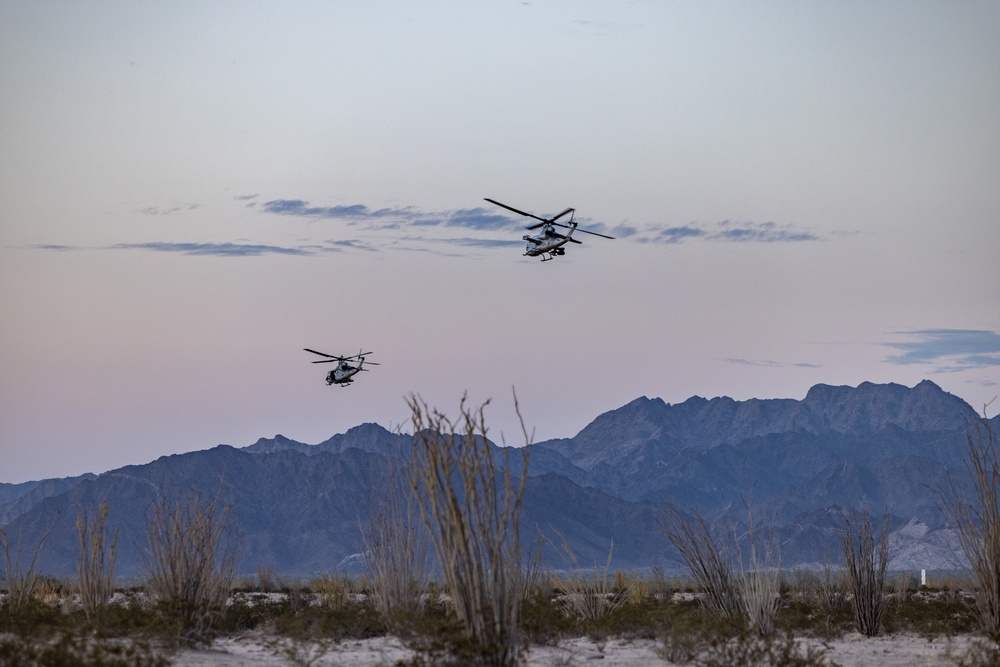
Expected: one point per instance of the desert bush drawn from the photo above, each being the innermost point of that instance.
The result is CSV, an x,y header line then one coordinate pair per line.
x,y
819,595
396,552
589,596
981,653
750,649
760,578
20,579
333,589
472,508
866,556
977,521
191,561
710,564
74,650
96,565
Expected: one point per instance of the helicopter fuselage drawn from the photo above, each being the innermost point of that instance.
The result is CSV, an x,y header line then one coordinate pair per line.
x,y
342,374
548,244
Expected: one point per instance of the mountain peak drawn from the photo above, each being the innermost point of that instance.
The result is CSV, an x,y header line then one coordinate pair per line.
x,y
874,407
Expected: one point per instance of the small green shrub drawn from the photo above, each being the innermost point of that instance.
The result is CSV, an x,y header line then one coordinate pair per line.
x,y
73,650
753,650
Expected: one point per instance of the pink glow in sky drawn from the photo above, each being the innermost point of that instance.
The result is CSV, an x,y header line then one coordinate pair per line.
x,y
191,193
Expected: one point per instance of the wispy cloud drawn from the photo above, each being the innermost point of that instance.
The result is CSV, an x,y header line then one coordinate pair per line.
x,y
54,246
948,349
768,363
218,249
727,230
490,219
167,210
391,218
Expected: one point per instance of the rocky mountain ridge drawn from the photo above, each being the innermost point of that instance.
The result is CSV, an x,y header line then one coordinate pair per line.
x,y
299,506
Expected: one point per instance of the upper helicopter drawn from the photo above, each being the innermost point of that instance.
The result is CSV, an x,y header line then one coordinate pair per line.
x,y
549,243
344,371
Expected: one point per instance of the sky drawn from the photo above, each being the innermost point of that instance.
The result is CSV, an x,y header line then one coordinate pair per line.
x,y
193,192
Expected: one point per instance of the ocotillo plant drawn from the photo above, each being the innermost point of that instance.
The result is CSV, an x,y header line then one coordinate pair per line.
x,y
472,507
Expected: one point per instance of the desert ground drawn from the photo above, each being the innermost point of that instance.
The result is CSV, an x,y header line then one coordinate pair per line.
x,y
852,650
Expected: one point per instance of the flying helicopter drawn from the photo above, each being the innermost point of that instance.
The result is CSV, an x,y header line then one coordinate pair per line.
x,y
549,243
344,371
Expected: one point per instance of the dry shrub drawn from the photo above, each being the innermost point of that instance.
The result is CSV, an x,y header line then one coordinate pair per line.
x,y
589,596
977,522
760,579
21,580
709,564
96,566
472,508
333,590
191,560
397,550
866,556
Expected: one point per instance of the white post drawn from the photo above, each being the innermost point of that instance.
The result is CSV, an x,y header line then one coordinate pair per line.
x,y
923,578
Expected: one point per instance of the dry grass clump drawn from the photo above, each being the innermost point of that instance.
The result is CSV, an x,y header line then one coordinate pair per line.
x,y
589,594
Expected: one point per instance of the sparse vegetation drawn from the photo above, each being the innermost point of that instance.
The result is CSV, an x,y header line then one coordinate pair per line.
x,y
866,555
300,629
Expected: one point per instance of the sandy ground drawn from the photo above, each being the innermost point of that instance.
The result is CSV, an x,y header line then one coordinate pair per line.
x,y
854,650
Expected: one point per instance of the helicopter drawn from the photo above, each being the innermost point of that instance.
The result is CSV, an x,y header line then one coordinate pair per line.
x,y
344,371
549,243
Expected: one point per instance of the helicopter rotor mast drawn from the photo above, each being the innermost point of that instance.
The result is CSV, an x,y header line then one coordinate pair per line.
x,y
549,221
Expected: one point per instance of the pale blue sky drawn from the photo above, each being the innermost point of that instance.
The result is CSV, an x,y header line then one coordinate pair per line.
x,y
192,192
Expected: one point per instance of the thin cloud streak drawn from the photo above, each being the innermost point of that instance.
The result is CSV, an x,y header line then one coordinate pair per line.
x,y
481,219
768,363
950,349
215,249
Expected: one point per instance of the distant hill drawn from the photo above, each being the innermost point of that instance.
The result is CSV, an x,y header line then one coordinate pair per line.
x,y
299,507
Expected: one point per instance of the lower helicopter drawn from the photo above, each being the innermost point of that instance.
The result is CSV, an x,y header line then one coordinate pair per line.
x,y
344,371
549,243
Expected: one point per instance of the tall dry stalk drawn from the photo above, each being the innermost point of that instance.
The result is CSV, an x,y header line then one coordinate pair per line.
x,y
397,550
760,579
21,580
977,522
472,508
866,556
710,565
96,566
191,560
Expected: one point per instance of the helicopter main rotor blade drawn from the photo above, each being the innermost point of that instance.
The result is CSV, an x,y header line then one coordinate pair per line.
x,y
603,236
511,208
579,229
569,210
322,354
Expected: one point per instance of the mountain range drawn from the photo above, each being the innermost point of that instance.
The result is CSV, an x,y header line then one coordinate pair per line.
x,y
798,464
